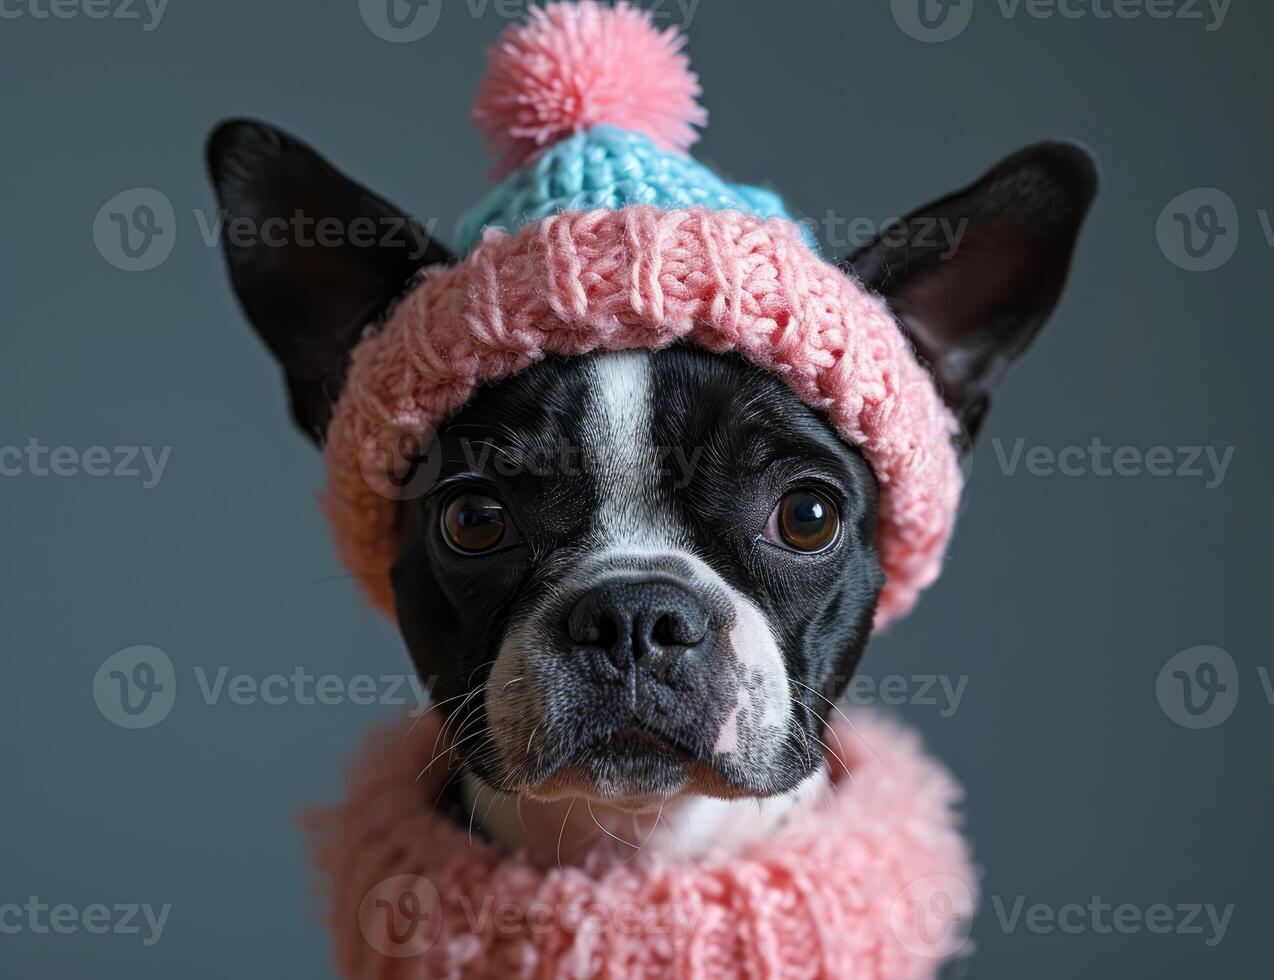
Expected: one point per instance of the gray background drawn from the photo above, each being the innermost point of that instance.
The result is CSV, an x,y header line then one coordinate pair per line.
x,y
1063,599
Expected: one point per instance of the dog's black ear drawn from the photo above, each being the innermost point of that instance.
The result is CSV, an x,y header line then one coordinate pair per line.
x,y
973,276
314,257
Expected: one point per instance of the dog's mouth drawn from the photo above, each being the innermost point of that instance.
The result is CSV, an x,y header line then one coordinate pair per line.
x,y
636,742
634,767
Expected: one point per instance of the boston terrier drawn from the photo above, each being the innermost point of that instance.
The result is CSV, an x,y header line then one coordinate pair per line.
x,y
637,583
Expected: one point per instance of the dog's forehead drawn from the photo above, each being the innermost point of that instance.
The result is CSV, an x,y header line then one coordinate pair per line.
x,y
625,432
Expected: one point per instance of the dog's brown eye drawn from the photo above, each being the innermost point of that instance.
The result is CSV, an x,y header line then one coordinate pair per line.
x,y
473,523
804,520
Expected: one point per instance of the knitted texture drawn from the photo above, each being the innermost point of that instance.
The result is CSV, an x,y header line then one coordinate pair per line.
x,y
646,278
576,65
867,883
610,168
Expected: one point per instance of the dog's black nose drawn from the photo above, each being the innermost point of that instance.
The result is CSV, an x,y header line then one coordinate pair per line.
x,y
632,620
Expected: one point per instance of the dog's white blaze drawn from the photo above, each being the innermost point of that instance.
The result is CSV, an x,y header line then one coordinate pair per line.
x,y
623,451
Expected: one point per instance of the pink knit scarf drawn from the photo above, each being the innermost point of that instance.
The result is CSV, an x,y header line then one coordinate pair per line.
x,y
868,883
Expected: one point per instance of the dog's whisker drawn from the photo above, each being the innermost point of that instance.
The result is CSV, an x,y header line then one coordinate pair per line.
x,y
449,749
839,758
468,726
473,811
589,804
510,454
811,757
655,826
495,793
562,832
819,694
432,707
852,727
442,730
470,719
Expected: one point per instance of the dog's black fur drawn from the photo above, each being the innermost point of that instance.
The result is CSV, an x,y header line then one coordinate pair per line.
x,y
734,439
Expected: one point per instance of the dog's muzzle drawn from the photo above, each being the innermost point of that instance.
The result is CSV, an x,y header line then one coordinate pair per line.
x,y
651,647
633,677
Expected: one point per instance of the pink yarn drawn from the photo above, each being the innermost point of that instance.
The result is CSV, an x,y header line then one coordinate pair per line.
x,y
865,884
576,65
645,278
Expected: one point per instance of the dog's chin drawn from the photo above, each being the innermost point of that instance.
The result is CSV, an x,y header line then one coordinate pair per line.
x,y
635,770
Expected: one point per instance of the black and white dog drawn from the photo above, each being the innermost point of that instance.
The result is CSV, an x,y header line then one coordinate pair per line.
x,y
641,579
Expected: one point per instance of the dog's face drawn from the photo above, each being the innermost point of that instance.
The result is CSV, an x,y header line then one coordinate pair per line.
x,y
645,573
638,574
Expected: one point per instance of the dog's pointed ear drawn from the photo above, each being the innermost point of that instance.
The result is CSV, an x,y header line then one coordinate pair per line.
x,y
972,277
313,256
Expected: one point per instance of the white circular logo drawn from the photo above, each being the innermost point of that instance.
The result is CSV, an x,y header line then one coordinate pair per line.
x,y
136,229
932,21
1198,231
400,21
401,916
400,461
1199,687
135,687
932,916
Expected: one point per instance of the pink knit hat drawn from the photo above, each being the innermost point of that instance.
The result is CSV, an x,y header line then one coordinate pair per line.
x,y
609,239
873,882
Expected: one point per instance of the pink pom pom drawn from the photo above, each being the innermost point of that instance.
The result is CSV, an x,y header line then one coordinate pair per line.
x,y
575,65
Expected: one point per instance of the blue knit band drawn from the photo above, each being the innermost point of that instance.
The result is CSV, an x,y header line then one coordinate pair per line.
x,y
607,168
